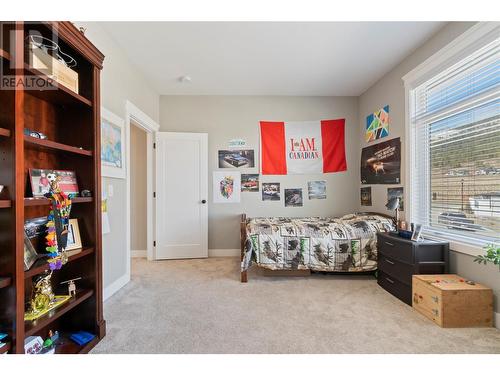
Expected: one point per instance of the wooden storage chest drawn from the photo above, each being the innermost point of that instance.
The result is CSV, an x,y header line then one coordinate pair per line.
x,y
450,301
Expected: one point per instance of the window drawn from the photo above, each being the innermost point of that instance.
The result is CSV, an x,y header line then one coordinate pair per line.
x,y
454,135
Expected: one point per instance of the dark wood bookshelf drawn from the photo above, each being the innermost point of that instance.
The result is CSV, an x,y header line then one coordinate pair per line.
x,y
41,264
34,326
28,202
4,132
5,348
4,203
71,122
5,282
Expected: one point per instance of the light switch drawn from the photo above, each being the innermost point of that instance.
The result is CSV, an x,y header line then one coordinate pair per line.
x,y
110,191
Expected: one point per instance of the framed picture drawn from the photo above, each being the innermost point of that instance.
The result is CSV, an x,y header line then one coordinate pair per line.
x,y
416,233
366,196
30,255
396,193
40,184
236,158
271,191
112,145
74,240
381,163
293,198
250,182
227,187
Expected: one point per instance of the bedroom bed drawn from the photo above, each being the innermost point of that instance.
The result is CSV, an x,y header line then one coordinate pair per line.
x,y
345,244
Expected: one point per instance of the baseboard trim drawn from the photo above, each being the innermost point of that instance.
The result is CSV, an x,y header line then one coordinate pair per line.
x,y
138,253
223,253
496,318
115,286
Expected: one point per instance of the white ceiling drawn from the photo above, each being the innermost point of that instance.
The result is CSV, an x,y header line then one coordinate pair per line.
x,y
259,58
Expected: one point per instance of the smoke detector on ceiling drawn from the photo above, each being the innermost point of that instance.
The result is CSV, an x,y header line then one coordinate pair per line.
x,y
185,79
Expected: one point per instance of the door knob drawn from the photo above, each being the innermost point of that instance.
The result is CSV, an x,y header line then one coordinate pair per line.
x,y
204,201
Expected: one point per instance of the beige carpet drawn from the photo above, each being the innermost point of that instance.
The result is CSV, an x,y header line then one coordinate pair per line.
x,y
199,306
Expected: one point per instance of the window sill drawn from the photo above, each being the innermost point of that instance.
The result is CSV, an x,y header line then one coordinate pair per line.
x,y
458,246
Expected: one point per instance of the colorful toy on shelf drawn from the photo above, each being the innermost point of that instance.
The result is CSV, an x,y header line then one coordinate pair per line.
x,y
43,299
71,286
57,224
82,337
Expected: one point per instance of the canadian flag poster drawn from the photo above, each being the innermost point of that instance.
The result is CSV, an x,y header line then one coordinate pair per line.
x,y
306,147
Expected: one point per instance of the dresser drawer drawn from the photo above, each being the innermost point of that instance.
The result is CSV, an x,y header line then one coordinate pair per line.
x,y
395,248
397,288
401,271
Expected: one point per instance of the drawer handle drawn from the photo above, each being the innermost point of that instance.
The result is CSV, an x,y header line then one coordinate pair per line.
x,y
435,299
390,262
391,281
435,312
389,243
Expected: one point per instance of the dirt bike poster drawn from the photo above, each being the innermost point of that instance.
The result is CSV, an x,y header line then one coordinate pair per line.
x,y
381,163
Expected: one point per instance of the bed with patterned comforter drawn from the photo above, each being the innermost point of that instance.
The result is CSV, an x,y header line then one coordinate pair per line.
x,y
346,244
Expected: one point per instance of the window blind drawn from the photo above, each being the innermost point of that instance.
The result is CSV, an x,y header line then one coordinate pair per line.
x,y
455,130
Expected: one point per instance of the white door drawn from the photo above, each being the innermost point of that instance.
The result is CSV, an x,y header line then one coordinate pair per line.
x,y
181,195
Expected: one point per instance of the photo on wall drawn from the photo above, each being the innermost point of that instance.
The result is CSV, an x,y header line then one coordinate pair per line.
x,y
316,189
381,163
271,191
366,196
236,158
250,183
226,186
396,192
377,124
293,198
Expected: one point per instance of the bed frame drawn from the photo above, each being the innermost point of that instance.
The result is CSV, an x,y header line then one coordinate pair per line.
x,y
243,240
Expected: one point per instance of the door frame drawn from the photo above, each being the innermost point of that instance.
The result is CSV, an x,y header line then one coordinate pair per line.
x,y
133,113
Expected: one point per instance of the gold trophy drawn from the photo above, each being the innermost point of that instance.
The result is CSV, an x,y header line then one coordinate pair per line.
x,y
42,295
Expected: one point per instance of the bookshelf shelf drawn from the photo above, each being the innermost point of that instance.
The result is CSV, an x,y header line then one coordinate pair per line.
x,y
5,282
51,146
4,132
4,203
5,348
41,265
34,326
28,202
57,94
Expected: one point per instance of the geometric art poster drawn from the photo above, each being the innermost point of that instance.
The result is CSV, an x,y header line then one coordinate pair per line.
x,y
226,187
377,124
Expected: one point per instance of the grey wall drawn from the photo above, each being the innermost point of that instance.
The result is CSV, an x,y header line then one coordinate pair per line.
x,y
228,117
138,193
120,81
390,90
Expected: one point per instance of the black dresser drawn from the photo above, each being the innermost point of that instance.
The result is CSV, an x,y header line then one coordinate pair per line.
x,y
399,259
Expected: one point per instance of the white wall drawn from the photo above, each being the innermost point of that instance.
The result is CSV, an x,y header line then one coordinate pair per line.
x,y
390,90
120,81
228,117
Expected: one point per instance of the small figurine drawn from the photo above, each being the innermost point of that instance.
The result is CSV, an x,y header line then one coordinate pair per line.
x,y
42,295
71,286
